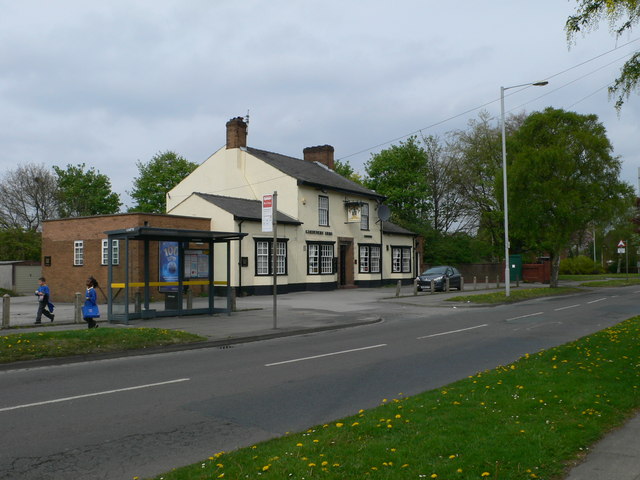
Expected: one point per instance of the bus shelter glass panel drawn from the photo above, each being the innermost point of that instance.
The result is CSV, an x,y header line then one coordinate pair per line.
x,y
165,274
118,283
196,282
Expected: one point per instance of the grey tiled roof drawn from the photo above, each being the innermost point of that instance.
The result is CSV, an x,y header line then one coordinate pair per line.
x,y
243,209
388,227
312,173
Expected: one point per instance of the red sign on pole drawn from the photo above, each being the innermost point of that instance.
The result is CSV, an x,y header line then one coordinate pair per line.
x,y
621,244
267,213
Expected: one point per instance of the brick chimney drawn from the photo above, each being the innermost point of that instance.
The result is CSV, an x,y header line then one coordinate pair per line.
x,y
236,133
321,153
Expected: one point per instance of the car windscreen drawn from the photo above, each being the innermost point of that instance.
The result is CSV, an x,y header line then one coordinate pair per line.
x,y
435,271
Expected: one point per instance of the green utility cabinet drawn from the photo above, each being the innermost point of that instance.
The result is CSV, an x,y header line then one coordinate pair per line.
x,y
515,267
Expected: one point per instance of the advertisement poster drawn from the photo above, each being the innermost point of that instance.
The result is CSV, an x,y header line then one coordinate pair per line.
x,y
169,265
196,264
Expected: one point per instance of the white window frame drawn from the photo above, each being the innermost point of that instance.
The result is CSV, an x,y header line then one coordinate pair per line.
x,y
313,259
375,256
78,253
320,258
369,259
400,259
264,258
364,216
115,252
323,210
364,259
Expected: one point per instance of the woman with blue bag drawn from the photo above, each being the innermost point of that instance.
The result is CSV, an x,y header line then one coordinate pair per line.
x,y
90,309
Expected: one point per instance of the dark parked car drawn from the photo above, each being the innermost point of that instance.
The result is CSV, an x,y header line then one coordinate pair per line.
x,y
439,276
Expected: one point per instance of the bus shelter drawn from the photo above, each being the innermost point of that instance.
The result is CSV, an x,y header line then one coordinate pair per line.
x,y
156,272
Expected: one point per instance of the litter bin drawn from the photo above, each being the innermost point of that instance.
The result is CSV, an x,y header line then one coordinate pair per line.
x,y
171,301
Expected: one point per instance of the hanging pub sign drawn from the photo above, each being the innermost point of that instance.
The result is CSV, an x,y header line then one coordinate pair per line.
x,y
354,212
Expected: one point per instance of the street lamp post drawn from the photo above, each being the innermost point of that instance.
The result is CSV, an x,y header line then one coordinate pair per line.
x,y
507,269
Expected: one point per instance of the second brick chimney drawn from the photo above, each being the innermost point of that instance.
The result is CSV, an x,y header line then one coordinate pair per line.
x,y
236,133
321,153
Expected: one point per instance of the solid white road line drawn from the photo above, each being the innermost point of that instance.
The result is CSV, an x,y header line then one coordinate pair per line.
x,y
108,392
564,308
598,300
325,355
453,331
525,316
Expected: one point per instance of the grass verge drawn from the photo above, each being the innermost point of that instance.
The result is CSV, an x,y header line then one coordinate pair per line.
x,y
526,420
598,276
613,283
517,295
31,346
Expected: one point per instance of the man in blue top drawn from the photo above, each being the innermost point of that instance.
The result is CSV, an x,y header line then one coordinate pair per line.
x,y
43,302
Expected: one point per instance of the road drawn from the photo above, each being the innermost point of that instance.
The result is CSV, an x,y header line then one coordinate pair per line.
x,y
141,416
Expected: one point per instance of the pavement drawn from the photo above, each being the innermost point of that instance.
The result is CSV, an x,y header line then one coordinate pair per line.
x,y
615,457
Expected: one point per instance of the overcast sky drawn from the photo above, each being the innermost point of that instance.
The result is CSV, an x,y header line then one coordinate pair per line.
x,y
110,83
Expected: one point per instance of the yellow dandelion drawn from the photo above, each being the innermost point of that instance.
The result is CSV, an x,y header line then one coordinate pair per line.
x,y
312,464
485,474
434,475
339,425
316,441
452,456
298,445
459,470
354,424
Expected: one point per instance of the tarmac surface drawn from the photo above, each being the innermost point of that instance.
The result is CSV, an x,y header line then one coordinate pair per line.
x,y
615,457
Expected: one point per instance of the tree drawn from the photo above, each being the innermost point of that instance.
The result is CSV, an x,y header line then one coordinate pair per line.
x,y
346,170
446,202
477,160
84,193
29,196
20,244
562,176
399,173
622,15
163,172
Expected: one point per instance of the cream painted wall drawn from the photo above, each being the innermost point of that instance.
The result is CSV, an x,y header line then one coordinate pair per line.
x,y
236,173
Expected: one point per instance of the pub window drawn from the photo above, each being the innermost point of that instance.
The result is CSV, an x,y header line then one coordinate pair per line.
x,y
264,258
323,211
364,216
320,259
401,259
369,259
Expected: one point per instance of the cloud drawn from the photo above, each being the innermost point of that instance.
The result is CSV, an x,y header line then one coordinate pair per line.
x,y
111,83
